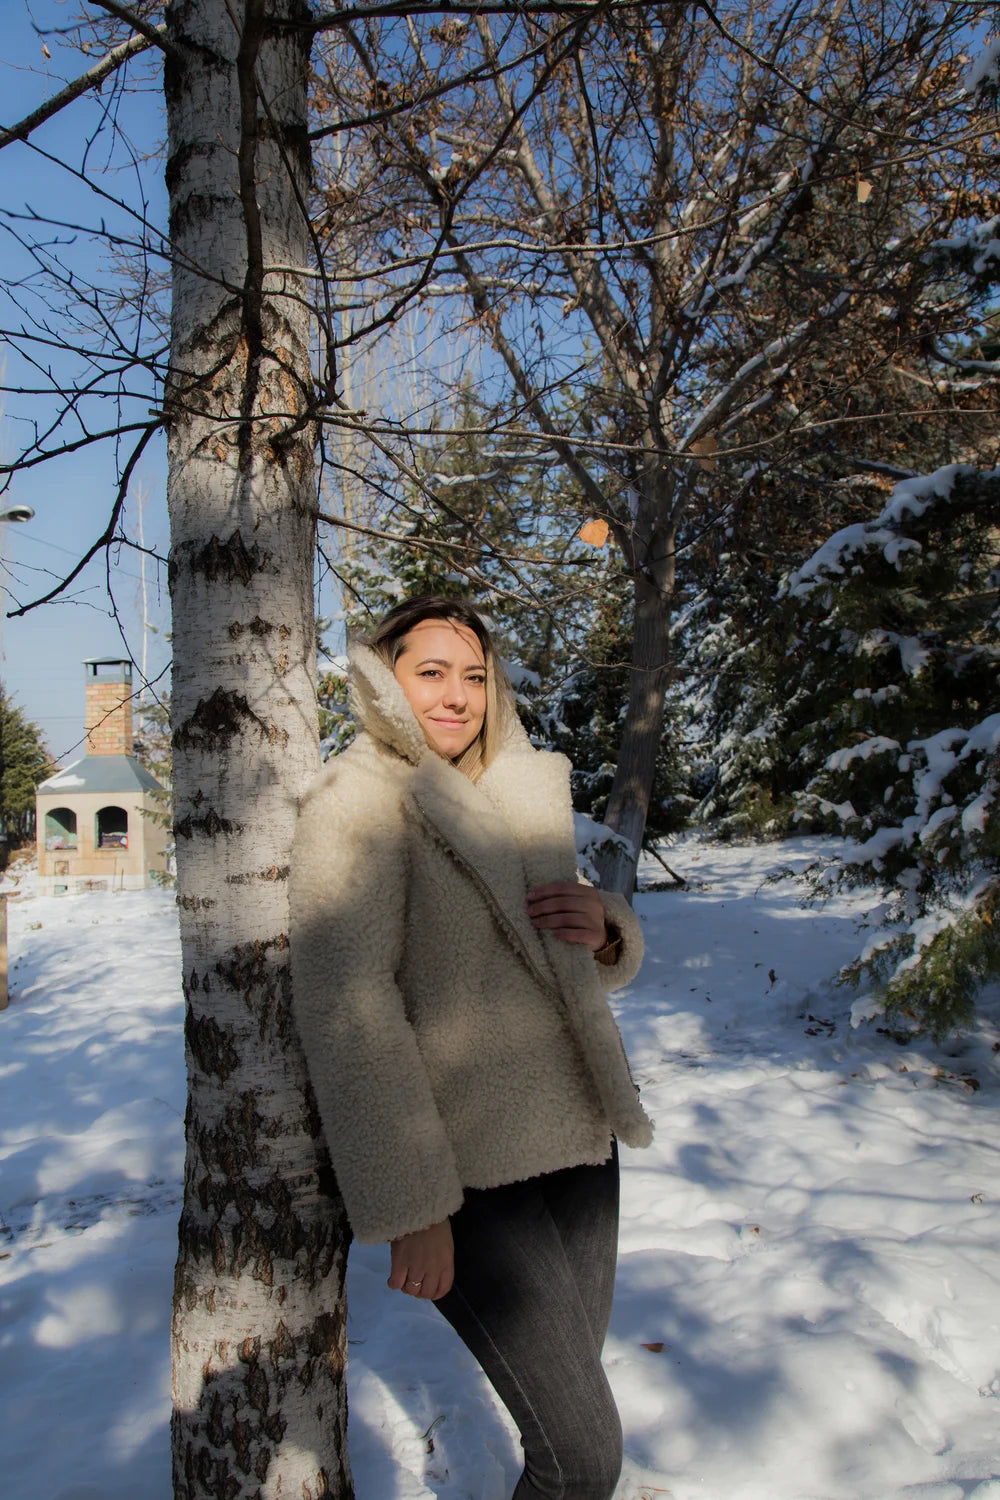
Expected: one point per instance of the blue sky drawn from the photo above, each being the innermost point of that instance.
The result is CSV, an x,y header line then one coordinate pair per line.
x,y
41,653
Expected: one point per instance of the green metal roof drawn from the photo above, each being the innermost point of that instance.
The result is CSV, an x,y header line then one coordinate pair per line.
x,y
100,773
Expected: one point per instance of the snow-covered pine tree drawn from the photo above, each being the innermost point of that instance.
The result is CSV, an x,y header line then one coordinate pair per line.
x,y
891,728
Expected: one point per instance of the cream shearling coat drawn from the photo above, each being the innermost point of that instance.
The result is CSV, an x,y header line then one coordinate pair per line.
x,y
449,1042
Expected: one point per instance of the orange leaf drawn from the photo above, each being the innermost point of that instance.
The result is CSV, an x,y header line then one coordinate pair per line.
x,y
864,190
656,1348
595,533
706,449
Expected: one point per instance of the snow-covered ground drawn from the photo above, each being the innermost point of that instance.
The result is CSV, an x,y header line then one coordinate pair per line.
x,y
809,1293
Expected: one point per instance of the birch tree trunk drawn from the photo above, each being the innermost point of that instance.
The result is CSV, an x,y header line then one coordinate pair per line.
x,y
258,1330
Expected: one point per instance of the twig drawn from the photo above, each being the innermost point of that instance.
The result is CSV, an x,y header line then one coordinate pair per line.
x,y
92,79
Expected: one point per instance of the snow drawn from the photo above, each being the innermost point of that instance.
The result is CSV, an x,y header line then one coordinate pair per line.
x,y
983,241
985,68
976,816
521,677
809,1290
911,497
878,744
985,736
833,554
590,837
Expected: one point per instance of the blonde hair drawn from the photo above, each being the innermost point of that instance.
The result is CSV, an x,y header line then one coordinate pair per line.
x,y
388,639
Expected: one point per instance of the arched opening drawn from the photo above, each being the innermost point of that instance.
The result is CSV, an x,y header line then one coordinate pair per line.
x,y
60,828
112,828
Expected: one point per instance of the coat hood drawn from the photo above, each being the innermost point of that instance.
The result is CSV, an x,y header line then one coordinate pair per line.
x,y
380,707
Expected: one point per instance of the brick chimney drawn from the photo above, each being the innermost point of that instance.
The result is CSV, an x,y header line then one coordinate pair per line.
x,y
109,706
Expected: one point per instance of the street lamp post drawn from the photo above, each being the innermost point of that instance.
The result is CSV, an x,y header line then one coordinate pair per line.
x,y
12,513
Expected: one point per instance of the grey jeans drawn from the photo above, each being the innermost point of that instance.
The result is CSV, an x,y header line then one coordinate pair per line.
x,y
534,1279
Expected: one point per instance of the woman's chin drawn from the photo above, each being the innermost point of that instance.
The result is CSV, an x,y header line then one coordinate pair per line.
x,y
450,745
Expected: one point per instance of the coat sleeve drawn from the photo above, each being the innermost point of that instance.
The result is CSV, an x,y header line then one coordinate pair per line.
x,y
387,1142
620,915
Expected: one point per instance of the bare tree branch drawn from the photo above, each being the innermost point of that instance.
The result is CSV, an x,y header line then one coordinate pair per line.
x,y
108,535
154,34
327,20
92,79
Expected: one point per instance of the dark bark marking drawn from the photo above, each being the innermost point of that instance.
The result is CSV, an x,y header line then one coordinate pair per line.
x,y
315,1125
196,903
257,627
264,984
229,1148
276,872
324,1334
231,560
258,1394
248,967
242,1434
249,1350
192,211
212,1049
217,720
211,1477
210,825
215,1427
282,1346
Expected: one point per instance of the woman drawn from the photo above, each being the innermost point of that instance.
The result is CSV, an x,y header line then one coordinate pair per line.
x,y
448,980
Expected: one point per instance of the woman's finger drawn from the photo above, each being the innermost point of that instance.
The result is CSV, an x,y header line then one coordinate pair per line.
x,y
422,1262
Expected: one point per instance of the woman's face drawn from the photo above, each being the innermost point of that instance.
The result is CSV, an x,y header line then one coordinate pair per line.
x,y
442,671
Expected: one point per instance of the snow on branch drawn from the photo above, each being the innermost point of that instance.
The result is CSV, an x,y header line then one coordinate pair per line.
x,y
985,69
838,553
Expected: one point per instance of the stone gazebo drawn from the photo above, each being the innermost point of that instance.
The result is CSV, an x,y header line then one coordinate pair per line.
x,y
95,829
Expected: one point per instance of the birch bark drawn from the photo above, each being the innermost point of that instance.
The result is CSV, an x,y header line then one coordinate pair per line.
x,y
258,1329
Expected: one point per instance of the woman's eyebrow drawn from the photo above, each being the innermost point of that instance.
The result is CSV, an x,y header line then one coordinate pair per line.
x,y
441,661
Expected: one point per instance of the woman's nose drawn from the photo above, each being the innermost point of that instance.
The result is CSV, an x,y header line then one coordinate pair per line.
x,y
454,692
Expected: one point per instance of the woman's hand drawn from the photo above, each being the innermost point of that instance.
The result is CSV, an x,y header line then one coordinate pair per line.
x,y
570,911
423,1263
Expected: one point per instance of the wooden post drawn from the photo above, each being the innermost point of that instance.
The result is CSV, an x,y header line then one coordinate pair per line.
x,y
3,953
